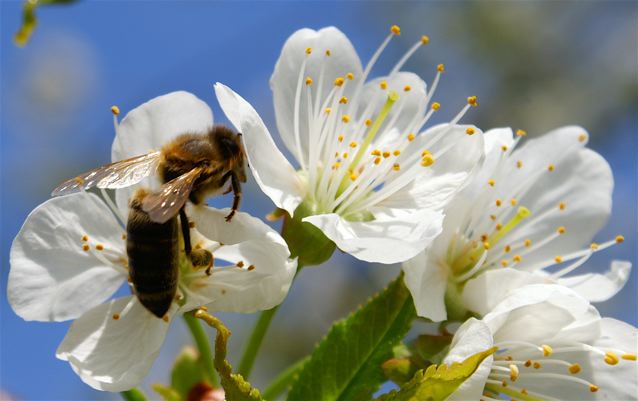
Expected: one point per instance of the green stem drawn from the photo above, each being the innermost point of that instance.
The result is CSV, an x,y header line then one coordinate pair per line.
x,y
133,394
283,380
205,351
254,342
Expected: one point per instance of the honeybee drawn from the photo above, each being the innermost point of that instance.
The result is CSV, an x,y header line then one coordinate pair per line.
x,y
153,256
191,166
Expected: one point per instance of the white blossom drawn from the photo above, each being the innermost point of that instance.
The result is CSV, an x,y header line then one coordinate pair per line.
x,y
533,208
369,175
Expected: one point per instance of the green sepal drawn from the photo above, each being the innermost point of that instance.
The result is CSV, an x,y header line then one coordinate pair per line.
x,y
167,393
305,241
437,383
29,19
346,365
188,371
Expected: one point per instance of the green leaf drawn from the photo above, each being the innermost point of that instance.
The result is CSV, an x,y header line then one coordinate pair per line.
x,y
235,387
346,365
167,393
30,21
437,383
187,372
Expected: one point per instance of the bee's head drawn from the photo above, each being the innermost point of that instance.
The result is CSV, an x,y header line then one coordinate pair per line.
x,y
229,145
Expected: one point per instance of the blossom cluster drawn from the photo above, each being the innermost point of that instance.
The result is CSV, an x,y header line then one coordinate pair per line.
x,y
490,228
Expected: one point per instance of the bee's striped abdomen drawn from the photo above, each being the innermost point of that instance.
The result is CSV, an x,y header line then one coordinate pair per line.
x,y
153,251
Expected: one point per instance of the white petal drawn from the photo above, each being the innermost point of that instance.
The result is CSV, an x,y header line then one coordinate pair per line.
x,y
113,355
482,293
156,122
427,282
342,60
249,241
600,287
274,174
387,239
471,338
52,278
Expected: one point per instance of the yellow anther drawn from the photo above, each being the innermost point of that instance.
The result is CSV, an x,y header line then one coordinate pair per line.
x,y
486,245
251,268
115,110
396,30
513,202
472,101
345,155
308,81
427,160
396,167
165,318
345,118
407,88
116,316
425,39
99,247
436,106
574,368
440,68
629,357
519,164
425,152
547,350
594,246
550,168
336,165
491,182
558,259
85,238
383,85
537,365
410,137
86,247
350,76
498,202
582,137
504,383
499,226
340,138
504,148
240,264
328,110
368,122
396,152
619,239
517,258
343,100
376,152
353,176
507,249
528,363
520,133
339,81
377,160
524,391
336,154
493,217
593,388
561,230
527,243
386,154
504,263
308,50
328,52
123,236
352,144
513,372
469,131
611,358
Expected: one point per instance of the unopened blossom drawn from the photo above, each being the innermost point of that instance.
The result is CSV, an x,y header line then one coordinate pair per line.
x,y
533,208
69,259
551,345
367,172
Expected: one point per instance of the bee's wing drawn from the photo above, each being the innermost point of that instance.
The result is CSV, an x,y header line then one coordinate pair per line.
x,y
165,204
120,174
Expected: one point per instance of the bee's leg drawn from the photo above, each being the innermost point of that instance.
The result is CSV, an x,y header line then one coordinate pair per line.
x,y
186,231
236,192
